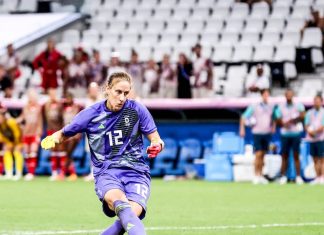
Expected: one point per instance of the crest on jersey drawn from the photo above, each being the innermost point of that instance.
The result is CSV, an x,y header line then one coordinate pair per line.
x,y
126,118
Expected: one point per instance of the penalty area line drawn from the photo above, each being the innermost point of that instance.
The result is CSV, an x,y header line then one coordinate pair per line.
x,y
170,228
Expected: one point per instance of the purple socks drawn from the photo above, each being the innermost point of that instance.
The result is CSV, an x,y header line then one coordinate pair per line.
x,y
130,222
115,229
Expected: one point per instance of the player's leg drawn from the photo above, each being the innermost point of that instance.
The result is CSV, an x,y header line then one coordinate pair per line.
x,y
117,201
69,147
8,160
19,161
61,154
285,148
314,153
32,160
1,161
296,150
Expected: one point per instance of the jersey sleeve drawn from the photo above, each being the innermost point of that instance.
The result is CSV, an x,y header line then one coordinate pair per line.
x,y
277,113
79,123
146,122
248,112
307,118
301,108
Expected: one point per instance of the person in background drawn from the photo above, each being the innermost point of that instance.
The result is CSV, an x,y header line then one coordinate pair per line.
x,y
203,72
261,117
184,74
47,62
6,83
256,83
168,82
11,62
94,96
115,65
10,137
136,70
290,116
53,117
97,69
32,127
151,79
69,111
78,75
314,124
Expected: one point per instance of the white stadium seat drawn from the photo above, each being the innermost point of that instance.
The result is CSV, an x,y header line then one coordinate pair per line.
x,y
220,13
155,26
263,53
174,26
181,13
130,4
136,26
110,38
124,13
214,26
27,5
283,3
116,26
242,53
194,26
91,36
167,3
149,39
147,4
250,38
222,53
144,53
280,12
162,14
270,38
169,39
301,12
129,39
240,10
72,36
295,24
143,13
234,25
187,3
188,39
66,49
160,51
206,3
285,53
200,13
312,37
99,23
303,3
112,4
209,39
260,10
275,25
254,25
291,38
229,38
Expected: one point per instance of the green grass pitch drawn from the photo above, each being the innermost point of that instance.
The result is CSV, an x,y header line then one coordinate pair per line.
x,y
175,208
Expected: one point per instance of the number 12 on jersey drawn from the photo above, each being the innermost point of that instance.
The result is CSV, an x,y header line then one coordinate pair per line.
x,y
115,137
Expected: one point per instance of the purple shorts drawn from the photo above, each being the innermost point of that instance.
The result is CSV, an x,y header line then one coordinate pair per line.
x,y
134,184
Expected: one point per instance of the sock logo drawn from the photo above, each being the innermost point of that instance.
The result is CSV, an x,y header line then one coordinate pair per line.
x,y
130,226
101,126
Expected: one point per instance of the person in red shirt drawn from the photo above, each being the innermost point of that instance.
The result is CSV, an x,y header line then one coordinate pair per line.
x,y
47,62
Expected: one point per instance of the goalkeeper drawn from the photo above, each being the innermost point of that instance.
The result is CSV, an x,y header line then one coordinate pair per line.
x,y
115,129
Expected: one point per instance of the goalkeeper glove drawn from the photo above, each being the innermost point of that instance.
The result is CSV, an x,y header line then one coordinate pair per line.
x,y
155,148
48,142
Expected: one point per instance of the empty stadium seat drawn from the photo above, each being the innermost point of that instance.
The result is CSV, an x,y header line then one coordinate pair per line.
x,y
260,10
200,13
234,25
27,5
181,13
275,25
263,53
72,36
167,158
312,37
155,26
99,23
188,39
242,53
229,38
220,12
280,12
222,53
91,36
240,10
254,25
209,39
174,26
214,26
160,51
162,14
190,149
143,13
194,26
291,38
227,143
285,53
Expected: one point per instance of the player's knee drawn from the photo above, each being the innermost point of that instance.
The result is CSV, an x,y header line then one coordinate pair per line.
x,y
114,195
136,208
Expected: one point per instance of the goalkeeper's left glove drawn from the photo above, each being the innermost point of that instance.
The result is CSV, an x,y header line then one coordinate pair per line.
x,y
48,142
155,148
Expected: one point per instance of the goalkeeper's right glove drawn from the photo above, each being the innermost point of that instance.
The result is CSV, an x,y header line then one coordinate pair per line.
x,y
48,142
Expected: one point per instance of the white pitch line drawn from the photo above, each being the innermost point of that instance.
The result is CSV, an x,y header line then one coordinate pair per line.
x,y
168,228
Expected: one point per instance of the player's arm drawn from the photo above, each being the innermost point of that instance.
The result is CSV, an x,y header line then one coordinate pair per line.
x,y
247,114
53,140
156,146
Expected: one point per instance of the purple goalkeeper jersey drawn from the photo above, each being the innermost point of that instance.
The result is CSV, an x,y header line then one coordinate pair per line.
x,y
115,138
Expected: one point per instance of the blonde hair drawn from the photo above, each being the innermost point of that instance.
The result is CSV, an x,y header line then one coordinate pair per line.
x,y
117,77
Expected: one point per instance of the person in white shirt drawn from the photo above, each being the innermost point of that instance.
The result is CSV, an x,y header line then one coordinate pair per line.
x,y
257,82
